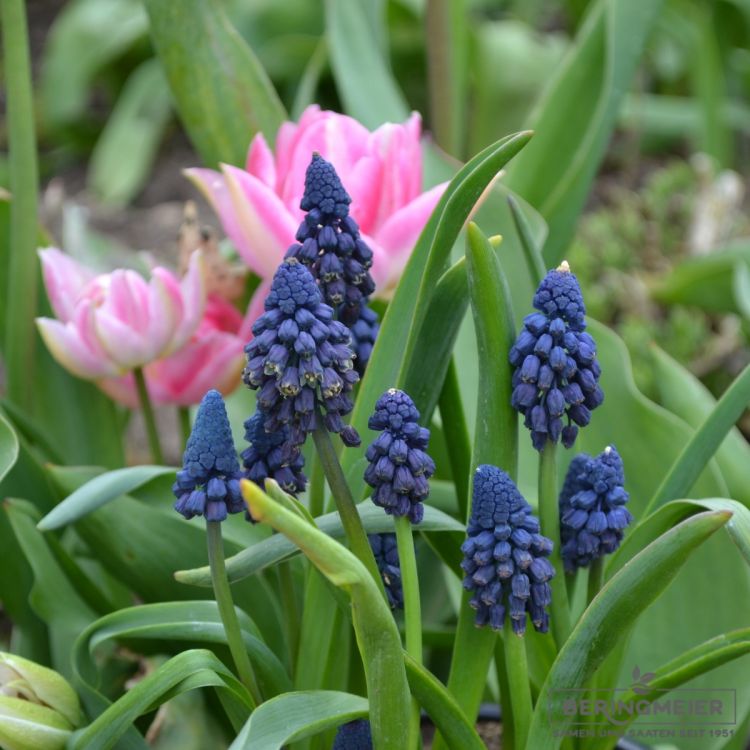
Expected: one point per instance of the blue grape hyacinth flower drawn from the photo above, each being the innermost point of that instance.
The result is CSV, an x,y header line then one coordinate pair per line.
x,y
329,242
364,332
593,516
505,556
556,374
399,467
263,458
385,550
208,484
354,735
301,362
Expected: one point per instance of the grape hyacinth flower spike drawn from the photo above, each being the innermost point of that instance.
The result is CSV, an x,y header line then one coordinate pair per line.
x,y
505,556
385,549
556,371
593,516
331,246
354,735
300,360
208,484
364,332
263,458
399,467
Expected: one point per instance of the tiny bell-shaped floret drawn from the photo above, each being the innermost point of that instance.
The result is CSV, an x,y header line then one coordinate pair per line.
x,y
593,516
399,467
364,332
505,557
208,484
385,550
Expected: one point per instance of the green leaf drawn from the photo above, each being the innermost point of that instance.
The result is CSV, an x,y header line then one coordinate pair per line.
x,y
406,314
364,82
532,253
277,548
704,442
8,448
610,616
86,36
378,638
221,91
576,117
99,491
684,395
294,716
741,288
126,149
193,622
186,671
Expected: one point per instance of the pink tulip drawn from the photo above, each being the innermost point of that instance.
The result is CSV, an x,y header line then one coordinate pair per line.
x,y
213,358
112,323
381,170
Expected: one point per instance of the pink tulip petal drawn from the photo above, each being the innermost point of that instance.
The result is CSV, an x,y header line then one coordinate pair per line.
x,y
192,293
122,390
400,233
363,186
124,346
64,279
268,228
254,310
286,141
260,162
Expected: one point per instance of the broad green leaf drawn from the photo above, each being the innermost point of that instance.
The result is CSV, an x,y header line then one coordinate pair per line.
x,y
221,91
294,716
186,671
8,447
531,250
684,395
431,358
125,151
99,491
695,662
610,616
406,312
278,548
192,622
86,36
741,287
704,442
575,118
378,638
365,84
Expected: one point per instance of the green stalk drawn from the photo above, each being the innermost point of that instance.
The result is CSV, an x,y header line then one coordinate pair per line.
x,y
20,285
148,417
412,609
350,519
291,609
506,707
596,578
457,437
183,415
317,488
519,686
549,517
223,595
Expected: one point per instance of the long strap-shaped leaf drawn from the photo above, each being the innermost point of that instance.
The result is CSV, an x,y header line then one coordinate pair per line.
x,y
610,616
8,447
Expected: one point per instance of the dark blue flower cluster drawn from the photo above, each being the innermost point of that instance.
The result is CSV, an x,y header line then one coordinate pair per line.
x,y
208,484
263,458
593,516
505,556
329,243
300,360
385,549
364,332
354,735
556,371
399,467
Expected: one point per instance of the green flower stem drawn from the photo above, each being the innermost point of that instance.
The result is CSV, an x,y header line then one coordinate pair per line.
x,y
352,523
223,595
506,708
596,578
317,488
183,414
549,516
291,609
18,290
412,608
519,686
457,437
148,416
